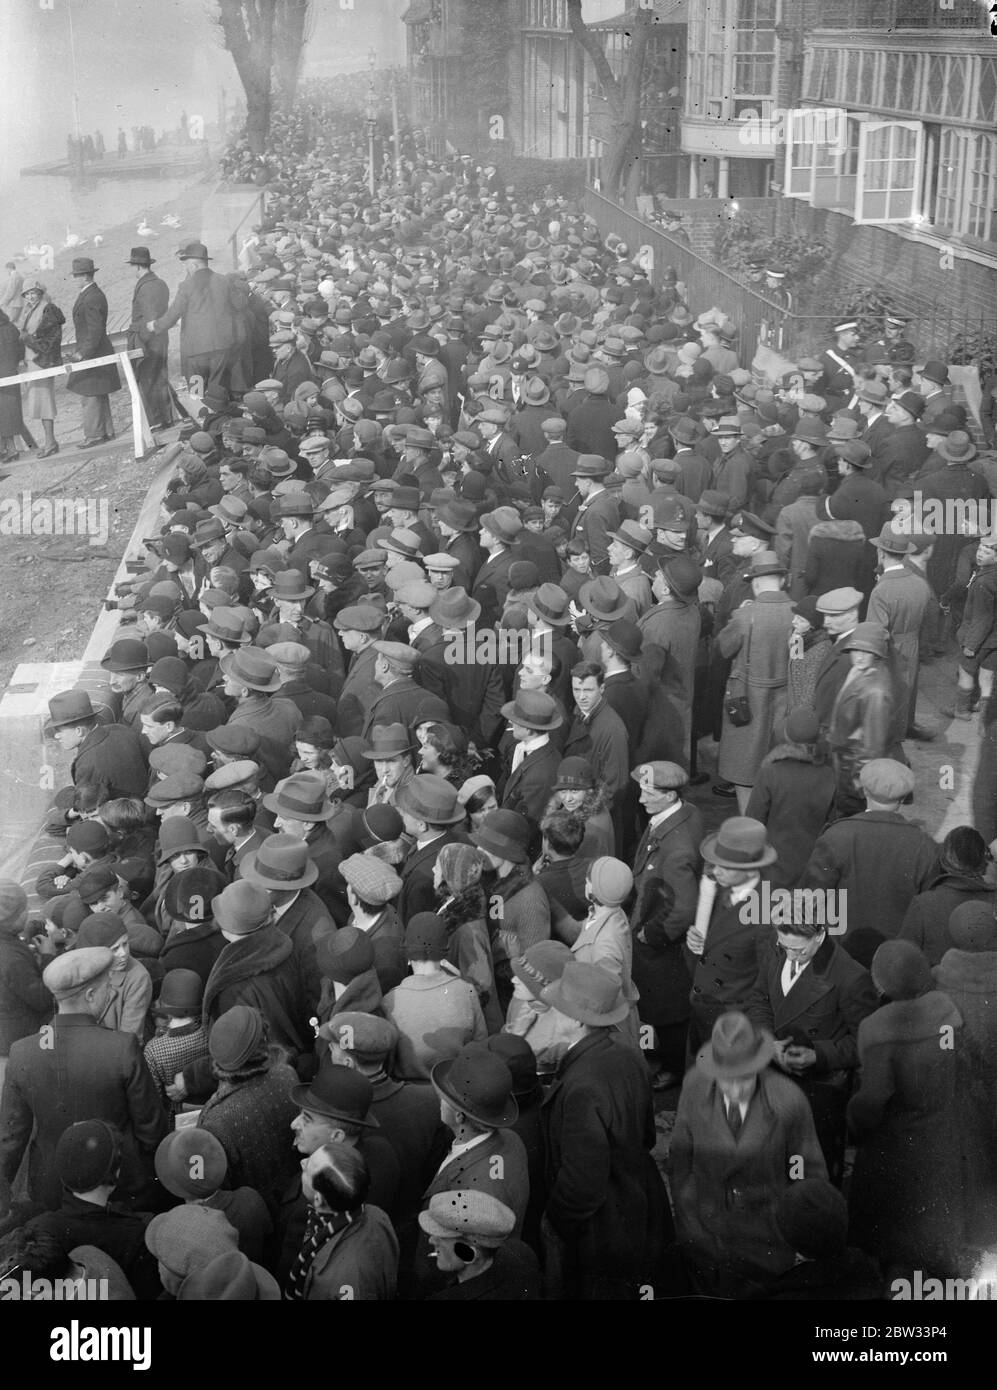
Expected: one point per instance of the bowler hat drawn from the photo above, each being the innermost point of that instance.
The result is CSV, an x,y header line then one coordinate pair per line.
x,y
534,710
588,994
910,401
290,586
431,799
936,372
181,993
479,1084
740,843
127,654
300,797
683,577
338,1093
281,863
188,894
736,1049
811,431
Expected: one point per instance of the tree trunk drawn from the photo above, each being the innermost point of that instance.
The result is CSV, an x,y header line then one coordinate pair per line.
x,y
289,46
247,28
257,115
623,97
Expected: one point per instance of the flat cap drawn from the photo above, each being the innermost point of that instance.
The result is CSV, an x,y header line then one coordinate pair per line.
x,y
67,974
662,776
885,779
371,879
368,1038
839,601
181,786
398,653
472,1213
241,773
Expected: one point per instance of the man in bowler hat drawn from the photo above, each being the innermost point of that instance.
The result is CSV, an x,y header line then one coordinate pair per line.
x,y
95,384
150,300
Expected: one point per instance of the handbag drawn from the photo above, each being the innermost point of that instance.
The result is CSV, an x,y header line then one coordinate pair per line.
x,y
737,706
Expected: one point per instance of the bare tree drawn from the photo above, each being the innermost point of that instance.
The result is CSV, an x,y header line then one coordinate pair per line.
x,y
292,30
247,31
620,162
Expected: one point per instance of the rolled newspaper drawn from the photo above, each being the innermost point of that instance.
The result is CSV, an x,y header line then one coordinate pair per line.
x,y
696,935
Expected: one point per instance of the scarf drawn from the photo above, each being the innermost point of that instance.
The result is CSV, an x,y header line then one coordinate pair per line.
x,y
320,1228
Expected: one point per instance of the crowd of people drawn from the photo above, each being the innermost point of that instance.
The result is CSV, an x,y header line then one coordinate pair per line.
x,y
380,918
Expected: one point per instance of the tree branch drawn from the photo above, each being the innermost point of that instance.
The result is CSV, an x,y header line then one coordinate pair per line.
x,y
583,35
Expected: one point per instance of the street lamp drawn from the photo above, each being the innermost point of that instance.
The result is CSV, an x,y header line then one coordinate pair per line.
x,y
371,121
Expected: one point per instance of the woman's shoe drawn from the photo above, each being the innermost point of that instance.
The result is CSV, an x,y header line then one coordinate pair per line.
x,y
48,451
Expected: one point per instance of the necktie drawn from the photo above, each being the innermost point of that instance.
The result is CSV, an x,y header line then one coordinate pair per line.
x,y
734,1119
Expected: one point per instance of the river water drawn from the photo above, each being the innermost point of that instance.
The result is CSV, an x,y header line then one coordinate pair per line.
x,y
43,211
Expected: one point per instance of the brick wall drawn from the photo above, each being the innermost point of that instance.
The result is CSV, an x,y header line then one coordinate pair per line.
x,y
911,271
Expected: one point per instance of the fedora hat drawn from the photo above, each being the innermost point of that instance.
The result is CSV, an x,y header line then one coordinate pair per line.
x,y
957,448
713,503
139,255
252,668
479,1084
387,741
740,843
281,862
632,535
194,251
683,577
892,541
503,523
290,585
684,431
587,994
591,466
227,625
535,391
764,562
550,603
338,1093
534,710
401,542
604,599
300,797
430,798
83,265
70,707
658,360
454,609
506,834
460,515
737,1048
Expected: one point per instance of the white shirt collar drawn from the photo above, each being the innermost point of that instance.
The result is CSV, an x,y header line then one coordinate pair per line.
x,y
662,816
743,891
278,912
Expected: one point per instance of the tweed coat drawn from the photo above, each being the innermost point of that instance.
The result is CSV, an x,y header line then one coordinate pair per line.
x,y
251,1121
758,635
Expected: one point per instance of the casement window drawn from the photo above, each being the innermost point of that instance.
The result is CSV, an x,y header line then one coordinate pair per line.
x,y
890,155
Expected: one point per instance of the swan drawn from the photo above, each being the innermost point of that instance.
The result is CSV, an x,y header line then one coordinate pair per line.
x,y
98,240
143,229
171,220
73,239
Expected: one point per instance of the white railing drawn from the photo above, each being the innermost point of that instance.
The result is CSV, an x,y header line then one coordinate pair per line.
x,y
141,433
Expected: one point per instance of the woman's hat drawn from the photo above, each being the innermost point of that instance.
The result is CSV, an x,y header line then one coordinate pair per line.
x,y
803,726
740,843
588,994
900,971
189,892
235,1036
474,784
479,1084
867,637
541,965
574,774
181,993
611,880
506,834
344,955
736,1049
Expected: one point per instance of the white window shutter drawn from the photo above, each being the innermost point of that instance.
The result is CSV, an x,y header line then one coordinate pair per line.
x,y
889,171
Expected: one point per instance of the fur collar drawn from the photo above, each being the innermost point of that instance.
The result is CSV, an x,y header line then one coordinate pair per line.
x,y
837,531
791,752
909,1021
972,972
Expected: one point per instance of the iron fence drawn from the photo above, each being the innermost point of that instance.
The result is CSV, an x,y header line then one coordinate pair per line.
x,y
937,325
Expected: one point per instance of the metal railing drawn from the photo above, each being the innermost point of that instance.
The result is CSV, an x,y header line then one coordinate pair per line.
x,y
936,323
